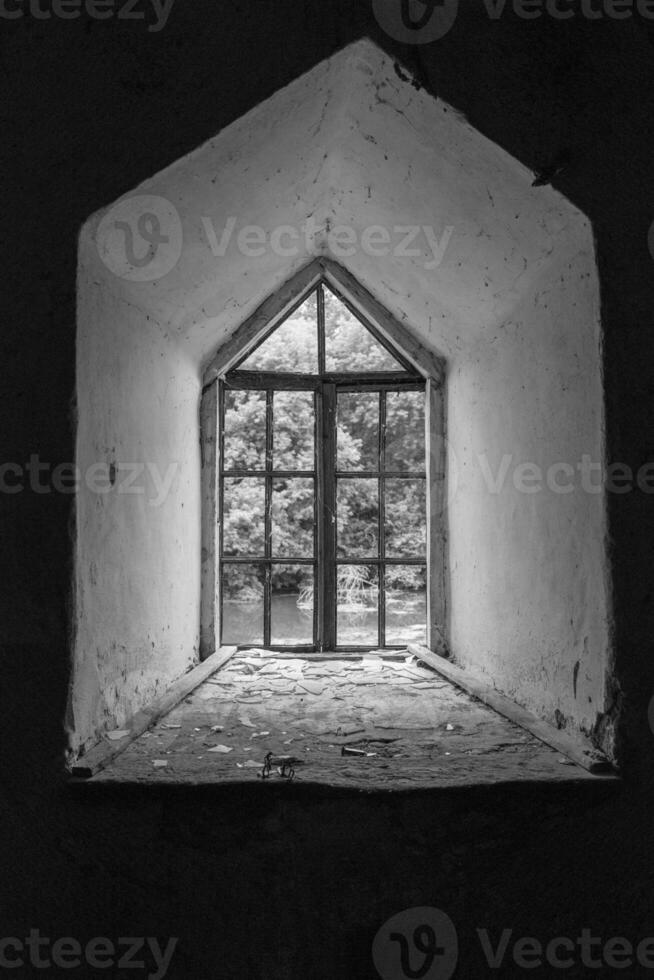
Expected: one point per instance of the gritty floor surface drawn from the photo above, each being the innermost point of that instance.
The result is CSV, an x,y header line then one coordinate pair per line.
x,y
408,727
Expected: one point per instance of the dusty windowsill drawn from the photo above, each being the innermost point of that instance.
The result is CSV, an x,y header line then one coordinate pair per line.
x,y
415,730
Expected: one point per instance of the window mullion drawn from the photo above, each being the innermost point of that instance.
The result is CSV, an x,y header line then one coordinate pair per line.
x,y
327,498
218,537
317,517
382,521
320,306
267,602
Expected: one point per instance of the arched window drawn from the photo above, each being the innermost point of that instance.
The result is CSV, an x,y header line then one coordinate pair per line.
x,y
319,484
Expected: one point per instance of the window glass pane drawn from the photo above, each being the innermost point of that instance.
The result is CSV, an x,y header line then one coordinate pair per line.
x,y
242,605
292,346
291,613
357,513
405,431
244,503
349,346
293,518
357,433
357,601
244,443
293,430
405,518
406,604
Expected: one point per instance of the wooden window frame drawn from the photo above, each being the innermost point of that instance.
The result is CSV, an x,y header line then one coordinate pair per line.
x,y
404,347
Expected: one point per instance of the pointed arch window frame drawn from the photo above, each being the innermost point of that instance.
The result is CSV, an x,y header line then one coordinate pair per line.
x,y
419,362
402,369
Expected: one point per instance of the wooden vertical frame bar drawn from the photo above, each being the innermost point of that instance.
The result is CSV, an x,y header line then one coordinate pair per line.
x,y
319,577
435,459
381,536
209,459
327,497
320,308
319,554
267,593
317,519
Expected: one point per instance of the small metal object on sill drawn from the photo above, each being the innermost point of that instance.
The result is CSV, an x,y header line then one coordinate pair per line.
x,y
285,765
346,750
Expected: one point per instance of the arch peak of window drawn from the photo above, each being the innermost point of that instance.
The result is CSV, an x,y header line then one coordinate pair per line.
x,y
323,335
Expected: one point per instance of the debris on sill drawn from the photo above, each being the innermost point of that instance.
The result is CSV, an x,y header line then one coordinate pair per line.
x,y
118,734
394,713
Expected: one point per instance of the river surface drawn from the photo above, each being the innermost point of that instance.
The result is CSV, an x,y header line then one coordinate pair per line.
x,y
406,615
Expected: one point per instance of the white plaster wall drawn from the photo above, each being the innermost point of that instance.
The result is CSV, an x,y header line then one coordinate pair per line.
x,y
512,306
528,588
137,571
